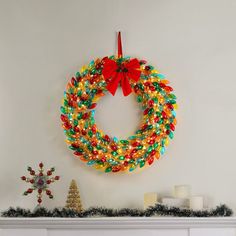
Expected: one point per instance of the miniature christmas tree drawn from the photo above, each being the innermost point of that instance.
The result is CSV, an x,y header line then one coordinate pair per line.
x,y
73,198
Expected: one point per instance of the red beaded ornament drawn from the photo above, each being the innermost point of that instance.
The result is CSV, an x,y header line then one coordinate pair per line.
x,y
40,182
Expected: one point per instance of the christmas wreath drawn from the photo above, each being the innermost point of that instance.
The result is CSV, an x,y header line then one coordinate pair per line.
x,y
154,94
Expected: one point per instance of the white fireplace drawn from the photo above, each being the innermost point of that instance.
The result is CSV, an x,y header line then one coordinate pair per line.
x,y
153,226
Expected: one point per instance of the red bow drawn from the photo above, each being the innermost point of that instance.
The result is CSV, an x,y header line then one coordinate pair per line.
x,y
115,73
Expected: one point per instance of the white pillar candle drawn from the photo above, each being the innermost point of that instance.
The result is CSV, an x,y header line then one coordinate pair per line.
x,y
182,191
196,203
175,202
150,199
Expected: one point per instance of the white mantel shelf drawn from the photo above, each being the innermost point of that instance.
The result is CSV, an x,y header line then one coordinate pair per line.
x,y
119,223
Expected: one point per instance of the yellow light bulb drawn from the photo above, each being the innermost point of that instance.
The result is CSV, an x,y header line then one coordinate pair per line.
x,y
175,106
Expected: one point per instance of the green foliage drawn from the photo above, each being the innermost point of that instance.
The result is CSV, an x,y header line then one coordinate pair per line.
x,y
157,210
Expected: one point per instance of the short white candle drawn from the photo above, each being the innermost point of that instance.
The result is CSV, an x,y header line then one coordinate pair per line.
x,y
182,191
175,202
150,199
196,202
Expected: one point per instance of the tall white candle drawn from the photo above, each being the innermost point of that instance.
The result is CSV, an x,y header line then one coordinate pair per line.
x,y
150,199
182,191
196,203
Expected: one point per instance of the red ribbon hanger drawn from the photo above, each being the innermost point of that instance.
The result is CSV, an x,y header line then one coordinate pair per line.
x,y
119,43
116,72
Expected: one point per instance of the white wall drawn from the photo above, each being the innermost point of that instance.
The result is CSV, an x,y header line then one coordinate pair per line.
x,y
192,42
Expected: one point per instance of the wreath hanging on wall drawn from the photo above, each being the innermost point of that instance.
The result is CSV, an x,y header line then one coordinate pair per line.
x,y
153,93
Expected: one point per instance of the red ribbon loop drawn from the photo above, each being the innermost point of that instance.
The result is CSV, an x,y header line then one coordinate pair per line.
x,y
116,72
120,54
